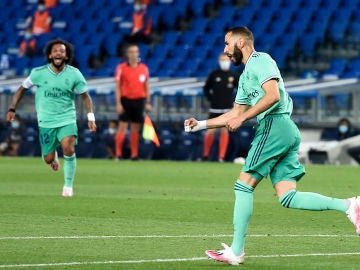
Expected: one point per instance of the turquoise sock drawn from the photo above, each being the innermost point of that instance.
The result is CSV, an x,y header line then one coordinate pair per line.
x,y
69,170
311,201
242,213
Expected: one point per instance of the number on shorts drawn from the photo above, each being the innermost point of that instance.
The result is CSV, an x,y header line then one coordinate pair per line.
x,y
45,138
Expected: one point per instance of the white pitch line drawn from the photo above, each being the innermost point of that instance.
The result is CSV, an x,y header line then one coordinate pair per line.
x,y
173,260
167,236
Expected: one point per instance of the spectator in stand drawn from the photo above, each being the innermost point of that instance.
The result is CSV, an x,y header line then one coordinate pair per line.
x,y
51,3
219,91
141,28
12,142
345,129
132,92
41,21
110,138
28,44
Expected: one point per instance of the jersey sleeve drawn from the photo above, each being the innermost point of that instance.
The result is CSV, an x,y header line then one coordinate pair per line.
x,y
265,69
27,83
80,83
241,98
30,80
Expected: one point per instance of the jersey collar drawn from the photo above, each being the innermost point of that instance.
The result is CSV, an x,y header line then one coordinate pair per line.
x,y
53,72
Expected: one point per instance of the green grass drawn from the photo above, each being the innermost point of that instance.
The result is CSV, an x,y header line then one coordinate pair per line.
x,y
164,199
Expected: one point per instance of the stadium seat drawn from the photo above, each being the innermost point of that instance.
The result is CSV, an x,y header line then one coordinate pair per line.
x,y
337,67
197,7
171,38
199,25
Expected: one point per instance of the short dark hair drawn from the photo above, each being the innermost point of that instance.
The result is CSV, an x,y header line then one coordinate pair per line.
x,y
69,49
241,31
129,45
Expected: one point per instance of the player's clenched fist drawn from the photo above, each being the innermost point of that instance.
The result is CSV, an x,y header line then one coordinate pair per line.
x,y
234,123
193,125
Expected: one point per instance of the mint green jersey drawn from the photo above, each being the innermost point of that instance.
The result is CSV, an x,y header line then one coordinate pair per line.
x,y
55,94
259,69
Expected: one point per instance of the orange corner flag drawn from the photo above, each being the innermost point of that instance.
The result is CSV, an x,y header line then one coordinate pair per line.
x,y
149,131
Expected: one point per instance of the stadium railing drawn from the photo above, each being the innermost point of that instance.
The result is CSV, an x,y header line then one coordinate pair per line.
x,y
316,102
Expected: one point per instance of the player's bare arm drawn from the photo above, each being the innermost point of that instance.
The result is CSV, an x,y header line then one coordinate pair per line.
x,y
15,101
193,125
272,95
119,107
88,107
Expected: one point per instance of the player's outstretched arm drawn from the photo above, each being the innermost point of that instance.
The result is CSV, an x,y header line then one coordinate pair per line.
x,y
193,125
89,109
15,101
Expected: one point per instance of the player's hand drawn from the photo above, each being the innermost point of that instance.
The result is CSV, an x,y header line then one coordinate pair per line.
x,y
92,126
119,108
10,116
234,123
190,125
148,107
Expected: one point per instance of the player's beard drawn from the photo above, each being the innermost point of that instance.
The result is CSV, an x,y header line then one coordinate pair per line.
x,y
62,63
237,56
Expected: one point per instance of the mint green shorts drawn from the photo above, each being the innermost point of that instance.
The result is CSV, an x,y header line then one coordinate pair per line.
x,y
50,138
274,150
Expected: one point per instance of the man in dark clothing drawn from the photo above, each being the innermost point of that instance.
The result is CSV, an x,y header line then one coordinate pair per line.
x,y
219,90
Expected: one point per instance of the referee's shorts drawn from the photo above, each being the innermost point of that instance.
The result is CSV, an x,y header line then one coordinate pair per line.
x,y
133,110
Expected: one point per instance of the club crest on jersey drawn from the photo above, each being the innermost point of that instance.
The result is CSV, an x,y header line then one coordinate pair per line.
x,y
142,78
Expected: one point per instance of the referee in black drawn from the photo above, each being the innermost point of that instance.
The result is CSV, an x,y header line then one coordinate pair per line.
x,y
219,91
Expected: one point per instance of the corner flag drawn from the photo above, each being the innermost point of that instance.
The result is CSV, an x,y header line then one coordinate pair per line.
x,y
149,131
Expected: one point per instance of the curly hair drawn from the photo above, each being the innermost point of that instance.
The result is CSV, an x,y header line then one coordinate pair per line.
x,y
69,49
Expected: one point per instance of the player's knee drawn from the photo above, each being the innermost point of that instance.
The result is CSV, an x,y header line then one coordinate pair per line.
x,y
286,199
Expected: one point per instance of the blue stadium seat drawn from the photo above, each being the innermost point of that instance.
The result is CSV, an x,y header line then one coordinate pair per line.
x,y
155,12
337,67
266,41
329,5
307,43
291,6
160,51
310,5
197,7
171,38
189,146
169,19
279,55
181,7
168,141
227,13
110,43
244,15
218,26
349,4
199,25
189,38
22,65
354,30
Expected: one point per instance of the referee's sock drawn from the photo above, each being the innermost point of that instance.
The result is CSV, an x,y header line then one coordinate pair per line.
x,y
312,201
69,170
119,142
242,213
208,142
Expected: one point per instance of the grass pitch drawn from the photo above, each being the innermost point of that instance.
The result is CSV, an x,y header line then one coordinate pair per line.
x,y
163,215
